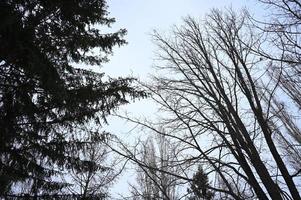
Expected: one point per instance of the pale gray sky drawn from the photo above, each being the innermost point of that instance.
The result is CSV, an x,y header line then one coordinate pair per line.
x,y
140,18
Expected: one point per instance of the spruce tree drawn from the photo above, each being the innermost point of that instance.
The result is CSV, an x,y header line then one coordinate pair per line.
x,y
44,99
200,186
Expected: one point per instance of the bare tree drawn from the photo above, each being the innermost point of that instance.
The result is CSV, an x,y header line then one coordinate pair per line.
x,y
152,181
282,33
217,96
100,170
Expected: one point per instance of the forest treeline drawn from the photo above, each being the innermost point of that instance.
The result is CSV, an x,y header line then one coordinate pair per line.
x,y
227,87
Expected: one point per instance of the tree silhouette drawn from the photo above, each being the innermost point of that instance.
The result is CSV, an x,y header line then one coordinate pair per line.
x,y
44,98
199,186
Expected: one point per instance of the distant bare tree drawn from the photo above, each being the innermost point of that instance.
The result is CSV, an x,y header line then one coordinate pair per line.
x,y
99,173
151,182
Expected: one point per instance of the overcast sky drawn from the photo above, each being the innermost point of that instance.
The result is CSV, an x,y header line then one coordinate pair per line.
x,y
140,18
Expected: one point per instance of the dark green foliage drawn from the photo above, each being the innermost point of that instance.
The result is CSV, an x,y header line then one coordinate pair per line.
x,y
200,186
43,98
